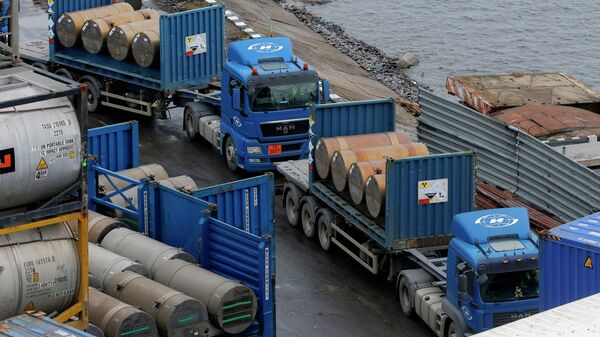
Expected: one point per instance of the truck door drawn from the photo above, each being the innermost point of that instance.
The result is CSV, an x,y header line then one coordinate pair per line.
x,y
465,275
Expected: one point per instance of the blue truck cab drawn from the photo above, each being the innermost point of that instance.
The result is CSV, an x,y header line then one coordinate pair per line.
x,y
492,270
264,105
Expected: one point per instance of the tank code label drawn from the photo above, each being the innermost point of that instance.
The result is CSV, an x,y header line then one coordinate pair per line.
x,y
432,191
55,127
7,161
36,285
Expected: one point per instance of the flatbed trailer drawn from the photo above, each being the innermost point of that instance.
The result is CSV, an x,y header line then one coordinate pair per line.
x,y
428,241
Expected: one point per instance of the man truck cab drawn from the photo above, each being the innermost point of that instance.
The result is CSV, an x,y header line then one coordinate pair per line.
x,y
262,116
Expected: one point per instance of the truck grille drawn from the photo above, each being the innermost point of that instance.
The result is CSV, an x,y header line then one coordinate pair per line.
x,y
285,128
507,317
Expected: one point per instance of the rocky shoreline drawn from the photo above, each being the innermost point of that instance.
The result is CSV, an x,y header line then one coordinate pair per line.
x,y
380,66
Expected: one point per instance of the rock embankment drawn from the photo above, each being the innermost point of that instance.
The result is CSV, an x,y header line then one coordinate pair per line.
x,y
380,66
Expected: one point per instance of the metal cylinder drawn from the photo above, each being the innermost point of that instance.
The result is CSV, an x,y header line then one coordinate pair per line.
x,y
181,183
176,314
341,160
99,225
104,264
40,151
375,194
68,25
326,147
149,252
231,305
95,31
153,171
94,330
119,319
120,37
39,270
146,48
358,175
137,4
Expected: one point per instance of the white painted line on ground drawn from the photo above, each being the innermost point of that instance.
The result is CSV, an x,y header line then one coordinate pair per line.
x,y
233,18
240,24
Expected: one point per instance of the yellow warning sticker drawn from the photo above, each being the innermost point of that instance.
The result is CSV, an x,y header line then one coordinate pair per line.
x,y
588,263
424,184
30,307
42,165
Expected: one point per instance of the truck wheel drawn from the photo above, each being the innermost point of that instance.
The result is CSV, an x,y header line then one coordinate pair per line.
x,y
307,216
324,226
40,65
63,72
452,331
405,297
292,201
93,98
231,155
190,129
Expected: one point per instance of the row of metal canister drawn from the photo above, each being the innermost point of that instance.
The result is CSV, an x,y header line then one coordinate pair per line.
x,y
357,164
117,28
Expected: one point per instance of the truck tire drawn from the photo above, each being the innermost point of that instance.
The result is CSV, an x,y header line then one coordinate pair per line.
x,y
308,215
63,72
231,155
190,127
406,298
94,88
40,65
452,331
325,219
291,201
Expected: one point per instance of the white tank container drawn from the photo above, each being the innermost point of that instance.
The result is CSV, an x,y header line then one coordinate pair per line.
x,y
39,269
40,145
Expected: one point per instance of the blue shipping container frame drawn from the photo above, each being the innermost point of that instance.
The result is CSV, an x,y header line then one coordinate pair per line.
x,y
177,70
570,262
405,219
199,223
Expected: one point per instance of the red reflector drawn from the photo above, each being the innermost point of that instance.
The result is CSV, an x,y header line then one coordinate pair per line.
x,y
305,66
310,167
274,149
254,71
51,41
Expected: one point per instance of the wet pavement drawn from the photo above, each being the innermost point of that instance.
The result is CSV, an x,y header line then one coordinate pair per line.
x,y
318,294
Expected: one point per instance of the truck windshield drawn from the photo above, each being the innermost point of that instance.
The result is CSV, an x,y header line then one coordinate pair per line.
x,y
285,96
512,286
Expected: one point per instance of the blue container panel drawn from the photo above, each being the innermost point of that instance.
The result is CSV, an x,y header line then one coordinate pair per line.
x,y
352,118
26,325
570,262
406,218
115,146
245,204
179,70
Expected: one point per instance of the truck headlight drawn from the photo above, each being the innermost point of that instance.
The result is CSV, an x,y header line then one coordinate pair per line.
x,y
253,150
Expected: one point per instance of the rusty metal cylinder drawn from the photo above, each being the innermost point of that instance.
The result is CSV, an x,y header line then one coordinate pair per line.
x,y
326,147
147,251
69,25
95,31
119,319
231,305
358,175
121,37
176,314
181,183
39,270
342,160
104,264
152,171
375,194
146,48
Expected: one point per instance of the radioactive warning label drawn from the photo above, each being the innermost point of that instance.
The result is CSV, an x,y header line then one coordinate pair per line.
x,y
195,44
42,165
432,191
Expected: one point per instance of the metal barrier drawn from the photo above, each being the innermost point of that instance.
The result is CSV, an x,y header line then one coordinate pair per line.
x,y
510,158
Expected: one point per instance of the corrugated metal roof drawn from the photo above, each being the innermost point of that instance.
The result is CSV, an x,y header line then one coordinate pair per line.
x,y
576,319
489,93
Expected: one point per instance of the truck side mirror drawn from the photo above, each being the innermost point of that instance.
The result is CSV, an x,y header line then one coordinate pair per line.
x,y
462,287
237,99
326,97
